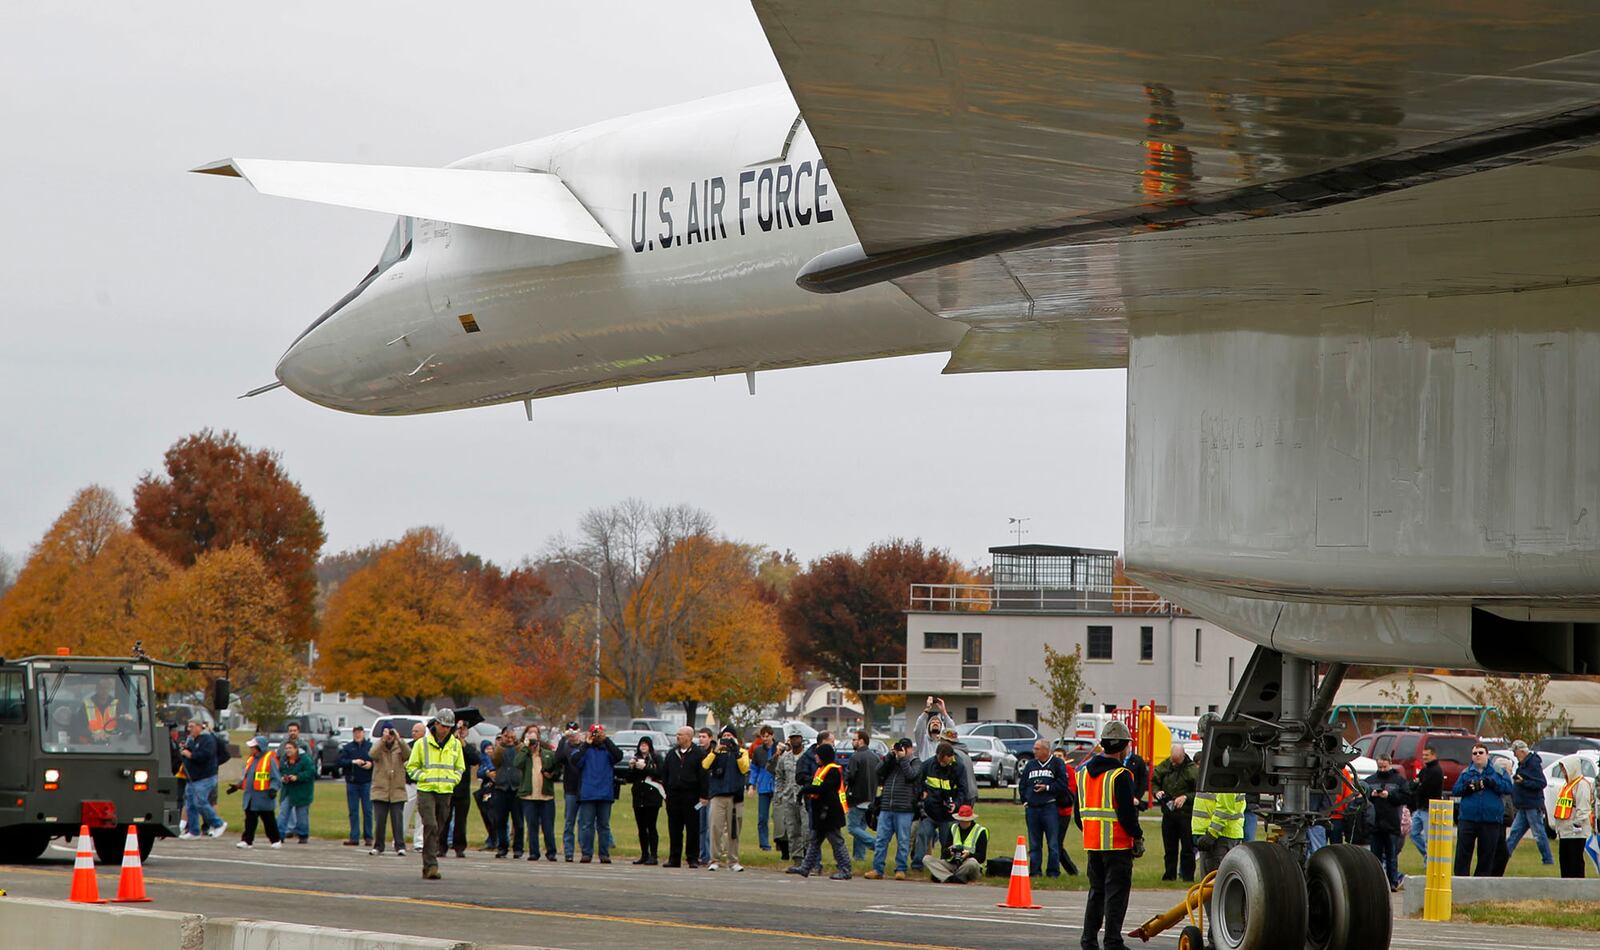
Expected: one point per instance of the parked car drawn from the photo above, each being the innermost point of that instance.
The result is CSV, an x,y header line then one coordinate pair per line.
x,y
181,713
1404,746
653,725
317,732
400,724
1018,737
1565,745
992,763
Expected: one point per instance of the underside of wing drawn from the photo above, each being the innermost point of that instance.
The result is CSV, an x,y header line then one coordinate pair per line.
x,y
536,204
1037,169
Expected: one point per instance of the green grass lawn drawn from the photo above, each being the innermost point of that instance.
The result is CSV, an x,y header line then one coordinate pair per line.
x,y
1569,915
996,811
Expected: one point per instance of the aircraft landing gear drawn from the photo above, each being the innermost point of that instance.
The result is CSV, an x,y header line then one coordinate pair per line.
x,y
1275,740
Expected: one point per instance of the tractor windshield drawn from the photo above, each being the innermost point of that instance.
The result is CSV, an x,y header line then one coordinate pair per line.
x,y
94,711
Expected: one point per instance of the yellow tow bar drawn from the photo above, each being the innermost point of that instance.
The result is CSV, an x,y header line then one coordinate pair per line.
x,y
1192,907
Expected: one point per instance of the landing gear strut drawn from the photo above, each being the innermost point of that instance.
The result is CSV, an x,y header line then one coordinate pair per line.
x,y
1275,740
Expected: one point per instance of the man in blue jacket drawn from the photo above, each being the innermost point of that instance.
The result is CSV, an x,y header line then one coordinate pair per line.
x,y
355,762
1042,779
1480,789
1527,797
200,765
596,764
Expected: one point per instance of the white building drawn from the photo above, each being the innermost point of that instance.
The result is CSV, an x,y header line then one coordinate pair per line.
x,y
345,710
977,646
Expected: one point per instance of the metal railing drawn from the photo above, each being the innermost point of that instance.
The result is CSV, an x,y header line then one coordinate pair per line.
x,y
1122,599
947,678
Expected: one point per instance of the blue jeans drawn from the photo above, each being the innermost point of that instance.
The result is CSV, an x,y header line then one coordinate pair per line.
x,y
539,816
763,813
197,795
1316,839
924,840
591,815
1249,824
358,798
861,837
1530,819
897,824
295,821
1419,831
705,834
1044,827
569,821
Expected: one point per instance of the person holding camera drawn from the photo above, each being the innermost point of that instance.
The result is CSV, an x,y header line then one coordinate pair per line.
x,y
1175,781
1480,790
1041,781
389,756
536,794
900,778
595,764
944,789
726,764
1390,792
644,771
929,730
965,858
503,810
1527,798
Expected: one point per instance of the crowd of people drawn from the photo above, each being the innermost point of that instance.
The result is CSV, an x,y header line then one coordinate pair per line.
x,y
818,798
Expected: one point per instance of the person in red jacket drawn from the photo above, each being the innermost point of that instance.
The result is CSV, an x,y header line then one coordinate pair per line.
x,y
1064,807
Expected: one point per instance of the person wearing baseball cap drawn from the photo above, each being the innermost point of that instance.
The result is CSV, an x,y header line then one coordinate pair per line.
x,y
436,765
967,853
1109,817
900,778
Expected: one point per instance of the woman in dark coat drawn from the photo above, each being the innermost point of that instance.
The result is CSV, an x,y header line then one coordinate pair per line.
x,y
644,771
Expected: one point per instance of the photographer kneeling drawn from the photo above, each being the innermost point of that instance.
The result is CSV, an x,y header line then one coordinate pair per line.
x,y
967,855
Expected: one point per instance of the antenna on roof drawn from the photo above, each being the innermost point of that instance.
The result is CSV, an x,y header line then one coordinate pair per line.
x,y
1019,529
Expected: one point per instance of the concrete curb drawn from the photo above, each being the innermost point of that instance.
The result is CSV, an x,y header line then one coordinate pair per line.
x,y
224,933
1475,890
30,923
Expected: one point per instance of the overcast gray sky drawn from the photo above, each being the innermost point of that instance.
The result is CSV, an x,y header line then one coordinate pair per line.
x,y
141,300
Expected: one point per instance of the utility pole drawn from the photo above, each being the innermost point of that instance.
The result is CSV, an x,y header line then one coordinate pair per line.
x,y
599,620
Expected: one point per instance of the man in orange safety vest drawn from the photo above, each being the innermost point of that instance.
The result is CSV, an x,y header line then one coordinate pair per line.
x,y
1108,813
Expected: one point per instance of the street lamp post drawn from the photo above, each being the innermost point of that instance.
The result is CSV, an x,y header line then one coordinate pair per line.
x,y
598,619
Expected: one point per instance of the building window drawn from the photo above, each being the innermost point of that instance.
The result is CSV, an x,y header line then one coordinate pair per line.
x,y
835,698
1230,674
316,696
972,714
1089,708
1109,708
940,641
1099,643
1028,717
343,721
344,698
1147,644
1211,708
1197,644
1197,710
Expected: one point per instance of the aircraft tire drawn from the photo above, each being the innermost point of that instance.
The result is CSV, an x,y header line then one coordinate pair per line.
x,y
1259,899
1347,900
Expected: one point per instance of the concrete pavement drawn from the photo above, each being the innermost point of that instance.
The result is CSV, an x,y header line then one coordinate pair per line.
x,y
577,907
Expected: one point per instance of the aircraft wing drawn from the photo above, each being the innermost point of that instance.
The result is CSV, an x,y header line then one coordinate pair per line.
x,y
536,204
1043,170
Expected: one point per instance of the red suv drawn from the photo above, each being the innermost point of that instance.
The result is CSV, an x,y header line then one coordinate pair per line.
x,y
1404,746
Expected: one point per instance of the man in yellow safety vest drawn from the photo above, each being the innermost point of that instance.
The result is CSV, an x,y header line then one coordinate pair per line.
x,y
436,765
1108,813
1218,827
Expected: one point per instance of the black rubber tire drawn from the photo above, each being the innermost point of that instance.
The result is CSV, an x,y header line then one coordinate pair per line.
x,y
109,842
1259,900
1190,938
22,845
1347,900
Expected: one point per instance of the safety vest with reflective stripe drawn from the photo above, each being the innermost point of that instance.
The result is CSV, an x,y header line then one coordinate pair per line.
x,y
1347,791
99,721
436,768
1101,830
822,773
259,768
1219,814
1567,801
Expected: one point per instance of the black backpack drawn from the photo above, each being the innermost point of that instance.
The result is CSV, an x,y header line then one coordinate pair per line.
x,y
220,740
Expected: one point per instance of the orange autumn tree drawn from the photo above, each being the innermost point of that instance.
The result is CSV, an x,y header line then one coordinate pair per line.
x,y
734,662
413,626
82,583
227,608
548,672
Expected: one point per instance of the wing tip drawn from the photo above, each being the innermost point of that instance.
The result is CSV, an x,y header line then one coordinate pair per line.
x,y
225,167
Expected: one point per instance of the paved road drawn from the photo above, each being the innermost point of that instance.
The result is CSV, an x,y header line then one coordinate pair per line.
x,y
577,907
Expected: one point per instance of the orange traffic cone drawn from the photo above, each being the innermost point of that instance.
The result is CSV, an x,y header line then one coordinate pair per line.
x,y
85,889
130,888
1020,893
